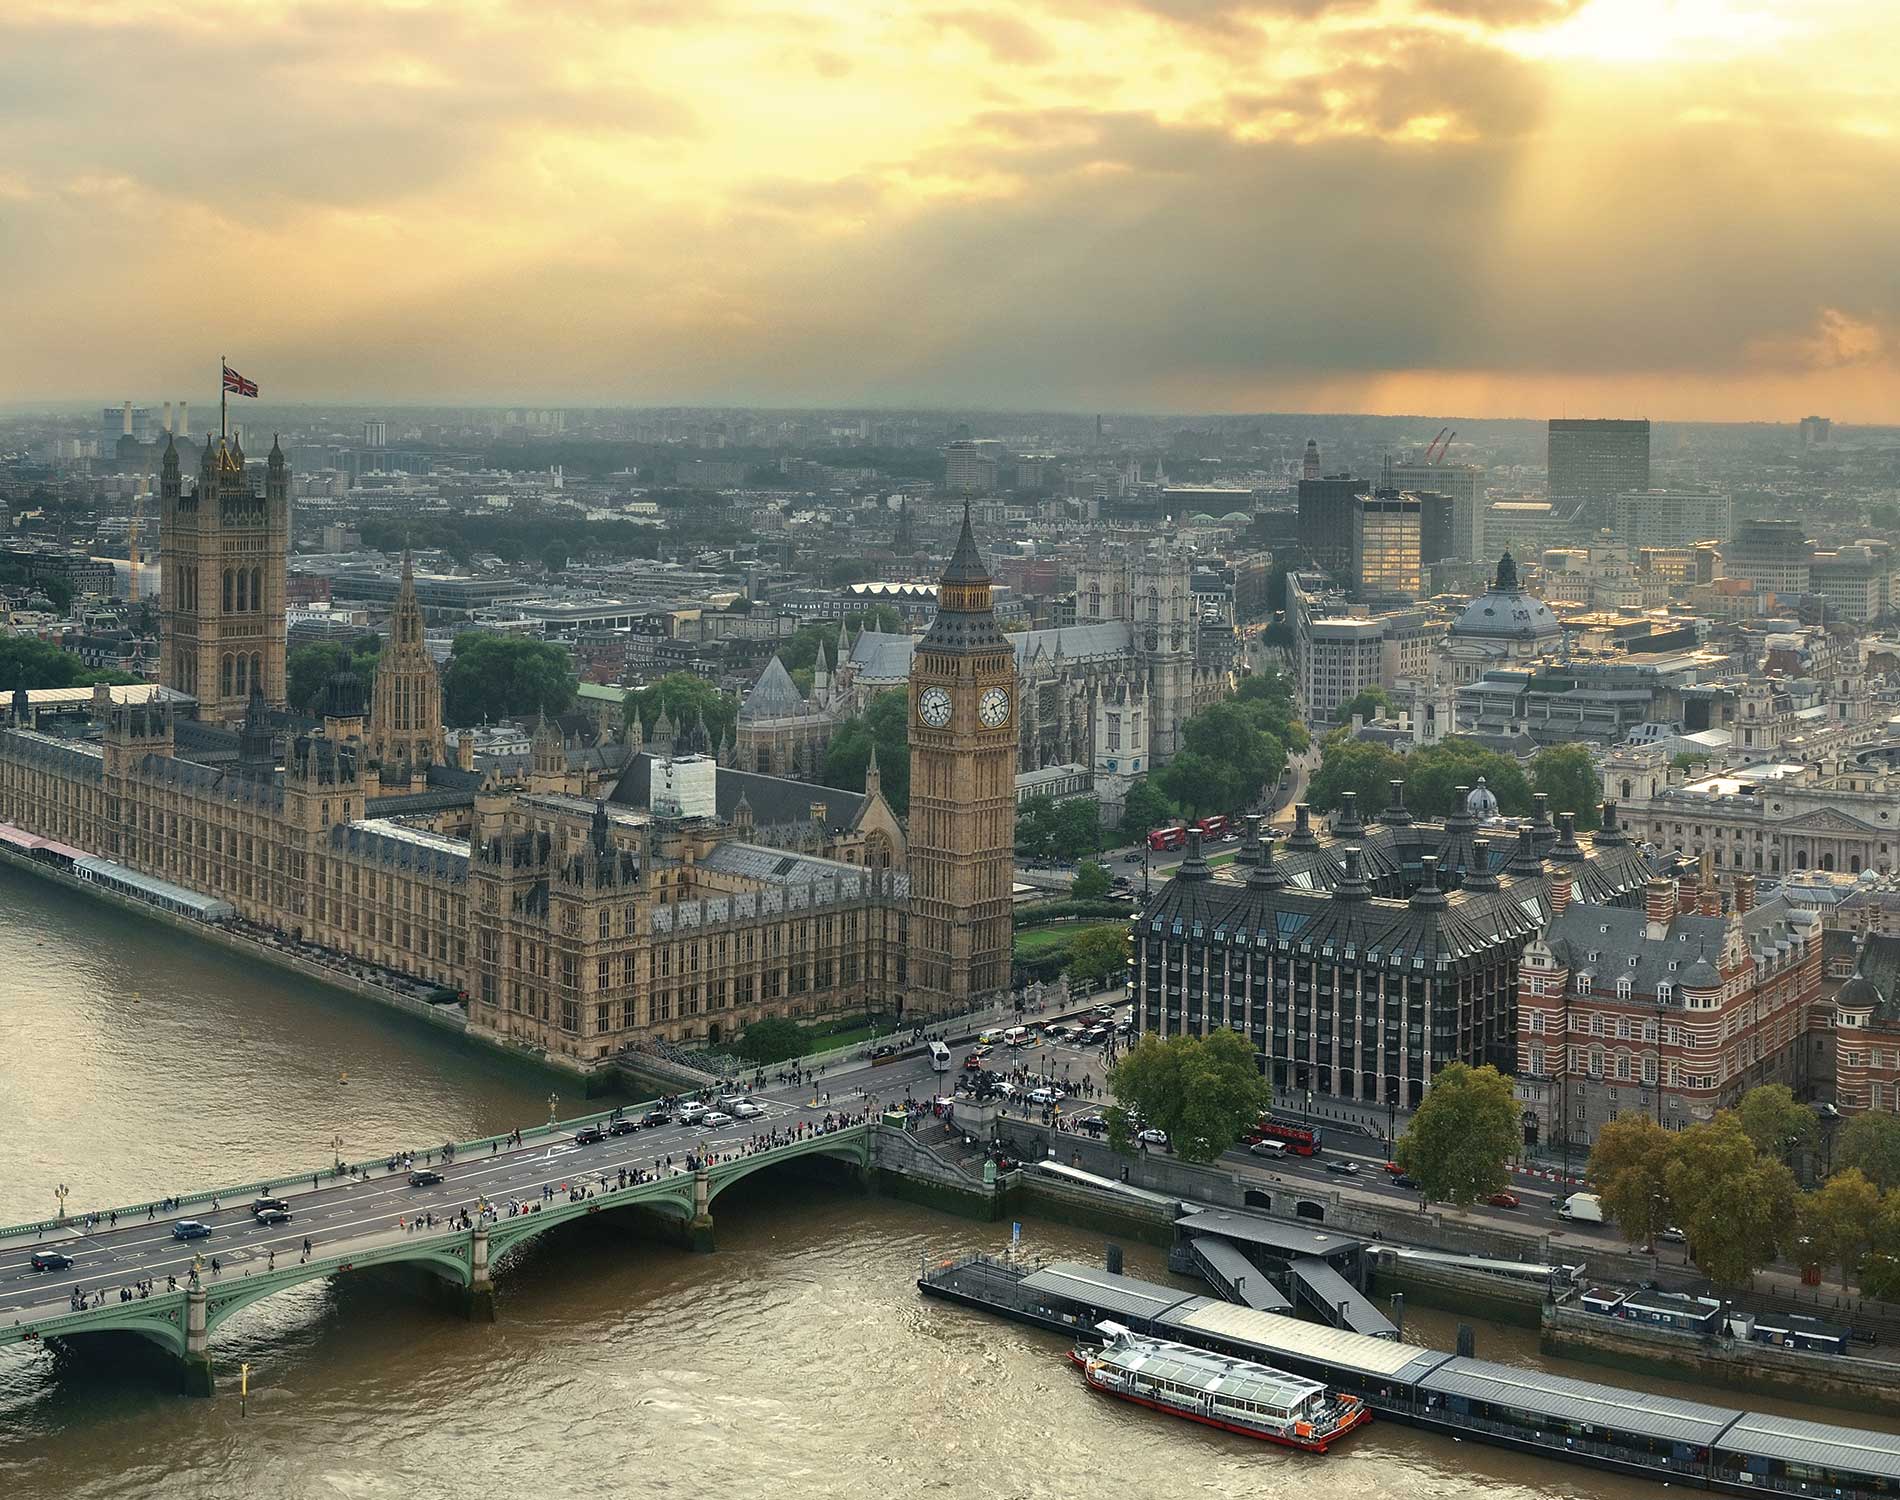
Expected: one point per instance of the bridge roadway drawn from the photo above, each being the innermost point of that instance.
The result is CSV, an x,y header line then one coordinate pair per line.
x,y
366,1219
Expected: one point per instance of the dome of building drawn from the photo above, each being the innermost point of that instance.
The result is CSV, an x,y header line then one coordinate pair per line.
x,y
1482,801
343,696
1507,612
1859,993
1200,518
1237,518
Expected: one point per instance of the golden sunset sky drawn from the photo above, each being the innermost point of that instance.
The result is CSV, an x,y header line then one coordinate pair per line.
x,y
1683,209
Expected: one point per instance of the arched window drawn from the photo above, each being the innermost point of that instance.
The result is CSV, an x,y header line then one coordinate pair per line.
x,y
229,584
1853,865
225,669
257,668
1626,787
243,675
257,588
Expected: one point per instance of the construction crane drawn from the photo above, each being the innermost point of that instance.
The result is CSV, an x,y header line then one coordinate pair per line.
x,y
1434,443
1441,450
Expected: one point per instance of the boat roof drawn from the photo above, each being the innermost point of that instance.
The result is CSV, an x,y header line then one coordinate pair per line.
x,y
1203,1371
1582,1401
1275,1333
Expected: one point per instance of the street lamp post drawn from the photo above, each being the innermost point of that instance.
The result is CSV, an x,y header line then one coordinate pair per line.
x,y
336,1150
60,1193
553,1100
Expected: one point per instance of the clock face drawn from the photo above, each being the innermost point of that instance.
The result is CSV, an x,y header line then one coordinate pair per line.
x,y
993,708
933,707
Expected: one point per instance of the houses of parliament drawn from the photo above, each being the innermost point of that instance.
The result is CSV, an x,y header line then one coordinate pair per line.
x,y
589,902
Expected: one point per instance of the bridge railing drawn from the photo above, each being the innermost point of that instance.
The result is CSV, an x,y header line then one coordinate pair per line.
x,y
291,1182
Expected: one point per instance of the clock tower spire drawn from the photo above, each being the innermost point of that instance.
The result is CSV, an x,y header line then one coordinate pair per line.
x,y
962,832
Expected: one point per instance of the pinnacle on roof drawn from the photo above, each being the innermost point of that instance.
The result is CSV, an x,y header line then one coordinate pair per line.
x,y
966,563
1195,866
1266,875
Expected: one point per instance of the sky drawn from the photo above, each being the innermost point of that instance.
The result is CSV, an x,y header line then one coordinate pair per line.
x,y
1682,209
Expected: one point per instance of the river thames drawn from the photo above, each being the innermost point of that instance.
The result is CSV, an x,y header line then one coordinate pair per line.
x,y
797,1361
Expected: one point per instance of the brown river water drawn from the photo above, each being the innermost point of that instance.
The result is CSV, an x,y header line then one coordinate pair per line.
x,y
796,1361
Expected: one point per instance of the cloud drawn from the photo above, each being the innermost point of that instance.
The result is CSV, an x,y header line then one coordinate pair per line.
x,y
1181,203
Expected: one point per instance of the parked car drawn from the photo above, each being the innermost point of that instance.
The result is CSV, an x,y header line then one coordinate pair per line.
x,y
1502,1200
51,1260
589,1135
271,1215
423,1177
1671,1235
191,1229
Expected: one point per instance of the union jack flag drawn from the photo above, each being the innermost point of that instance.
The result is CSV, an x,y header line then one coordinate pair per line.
x,y
236,383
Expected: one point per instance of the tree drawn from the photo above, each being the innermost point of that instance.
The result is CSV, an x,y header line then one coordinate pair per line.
x,y
1777,1125
1630,1166
685,698
1839,1221
308,668
1349,765
1369,705
554,556
1146,808
1433,776
1199,786
771,1039
1736,1206
884,723
1462,1135
1880,1267
1098,953
493,677
1090,883
1205,1092
1077,828
1567,775
1870,1144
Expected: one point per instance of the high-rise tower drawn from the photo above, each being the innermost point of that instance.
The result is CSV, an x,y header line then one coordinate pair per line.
x,y
962,794
405,717
221,593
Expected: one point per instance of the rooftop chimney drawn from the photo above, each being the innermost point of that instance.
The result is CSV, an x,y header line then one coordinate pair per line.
x,y
1608,835
1744,901
1479,876
1525,859
184,419
1352,880
1659,907
125,420
1560,892
1346,822
168,416
1395,814
1303,836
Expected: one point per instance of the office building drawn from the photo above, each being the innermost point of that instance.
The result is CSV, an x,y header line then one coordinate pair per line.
x,y
1855,583
1672,518
1462,484
1360,964
1595,461
1773,556
1385,545
1815,431
1309,464
1672,1010
1326,520
375,434
1437,528
969,468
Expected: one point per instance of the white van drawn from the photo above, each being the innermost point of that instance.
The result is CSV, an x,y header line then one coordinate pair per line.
x,y
1016,1036
1582,1208
940,1057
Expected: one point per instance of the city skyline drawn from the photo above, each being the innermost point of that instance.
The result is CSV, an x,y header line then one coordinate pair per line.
x,y
1501,209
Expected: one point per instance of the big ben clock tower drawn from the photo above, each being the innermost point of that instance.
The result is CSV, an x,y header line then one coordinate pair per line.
x,y
962,832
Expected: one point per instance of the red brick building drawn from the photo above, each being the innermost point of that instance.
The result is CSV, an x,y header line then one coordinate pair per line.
x,y
1867,1029
1674,1010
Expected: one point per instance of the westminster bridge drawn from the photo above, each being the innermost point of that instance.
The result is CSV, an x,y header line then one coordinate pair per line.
x,y
127,1270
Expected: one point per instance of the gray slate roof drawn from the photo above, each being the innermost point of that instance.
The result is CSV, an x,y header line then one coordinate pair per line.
x,y
773,696
773,799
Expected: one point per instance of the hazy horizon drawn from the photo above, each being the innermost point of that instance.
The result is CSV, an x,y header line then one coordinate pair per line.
x,y
1506,209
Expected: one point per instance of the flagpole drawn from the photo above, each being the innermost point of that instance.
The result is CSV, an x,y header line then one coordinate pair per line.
x,y
222,398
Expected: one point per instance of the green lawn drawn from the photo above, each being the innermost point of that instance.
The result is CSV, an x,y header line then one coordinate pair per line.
x,y
1042,941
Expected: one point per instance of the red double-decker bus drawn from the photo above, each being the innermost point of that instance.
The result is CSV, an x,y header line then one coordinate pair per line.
x,y
1300,1139
1164,839
1215,827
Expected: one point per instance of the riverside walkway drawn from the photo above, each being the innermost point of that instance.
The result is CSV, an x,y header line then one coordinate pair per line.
x,y
130,1272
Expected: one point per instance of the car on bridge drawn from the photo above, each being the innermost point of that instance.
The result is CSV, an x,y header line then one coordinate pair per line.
x,y
589,1135
1502,1200
272,1215
690,1111
1046,1096
260,1204
1343,1168
51,1260
622,1127
713,1119
191,1229
745,1109
424,1177
655,1117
